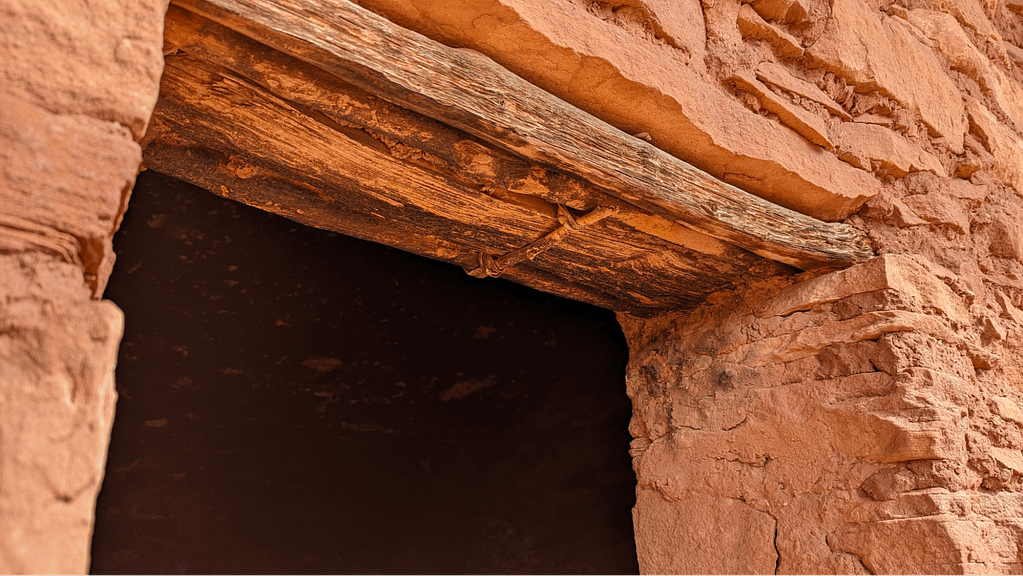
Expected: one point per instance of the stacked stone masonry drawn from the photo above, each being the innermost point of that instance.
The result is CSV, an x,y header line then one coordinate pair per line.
x,y
848,422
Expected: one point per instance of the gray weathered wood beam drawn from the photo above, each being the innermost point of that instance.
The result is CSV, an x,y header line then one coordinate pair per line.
x,y
470,92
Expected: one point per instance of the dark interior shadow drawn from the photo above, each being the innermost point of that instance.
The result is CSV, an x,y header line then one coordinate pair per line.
x,y
295,401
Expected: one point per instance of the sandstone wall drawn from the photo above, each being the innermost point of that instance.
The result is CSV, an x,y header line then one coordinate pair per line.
x,y
816,105
77,86
867,420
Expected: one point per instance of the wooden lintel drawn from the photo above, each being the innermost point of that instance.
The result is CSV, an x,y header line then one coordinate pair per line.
x,y
470,92
256,125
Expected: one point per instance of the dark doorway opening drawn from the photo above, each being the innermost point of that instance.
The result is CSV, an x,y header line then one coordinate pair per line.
x,y
296,401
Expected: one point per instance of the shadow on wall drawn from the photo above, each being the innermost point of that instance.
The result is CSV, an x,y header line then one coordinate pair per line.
x,y
295,401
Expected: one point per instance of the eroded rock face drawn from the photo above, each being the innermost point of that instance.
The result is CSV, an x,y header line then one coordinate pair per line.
x,y
99,59
57,354
850,412
872,415
79,82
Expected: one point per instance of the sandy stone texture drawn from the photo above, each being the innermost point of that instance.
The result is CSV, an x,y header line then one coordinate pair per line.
x,y
100,59
830,409
857,421
64,182
57,397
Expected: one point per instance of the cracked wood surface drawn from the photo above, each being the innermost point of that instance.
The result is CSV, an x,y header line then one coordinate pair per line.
x,y
249,122
472,93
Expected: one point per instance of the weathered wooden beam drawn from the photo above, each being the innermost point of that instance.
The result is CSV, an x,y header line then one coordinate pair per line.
x,y
470,92
258,126
274,191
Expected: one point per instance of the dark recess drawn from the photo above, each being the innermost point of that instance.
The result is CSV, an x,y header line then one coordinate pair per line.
x,y
296,401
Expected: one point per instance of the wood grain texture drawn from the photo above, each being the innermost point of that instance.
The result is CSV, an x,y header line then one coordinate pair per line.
x,y
468,91
250,123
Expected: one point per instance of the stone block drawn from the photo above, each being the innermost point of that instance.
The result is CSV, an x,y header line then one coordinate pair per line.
x,y
65,184
875,52
810,341
805,123
751,25
1007,409
904,546
944,33
1004,144
890,438
776,75
57,394
1008,309
939,210
595,64
869,145
887,272
702,535
1005,238
785,11
1008,457
969,13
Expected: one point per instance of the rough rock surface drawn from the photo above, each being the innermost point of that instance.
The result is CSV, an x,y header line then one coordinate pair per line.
x,y
874,414
850,413
57,353
905,69
78,84
100,59
875,52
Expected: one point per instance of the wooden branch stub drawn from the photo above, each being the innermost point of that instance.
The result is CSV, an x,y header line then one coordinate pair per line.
x,y
493,267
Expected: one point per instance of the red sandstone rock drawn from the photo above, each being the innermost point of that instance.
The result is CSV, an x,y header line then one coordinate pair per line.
x,y
78,84
787,11
777,76
66,181
736,537
1004,145
859,420
100,59
948,37
867,145
888,272
805,123
874,52
871,360
56,368
751,25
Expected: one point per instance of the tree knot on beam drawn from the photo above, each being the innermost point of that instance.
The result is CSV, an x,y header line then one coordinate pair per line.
x,y
494,266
